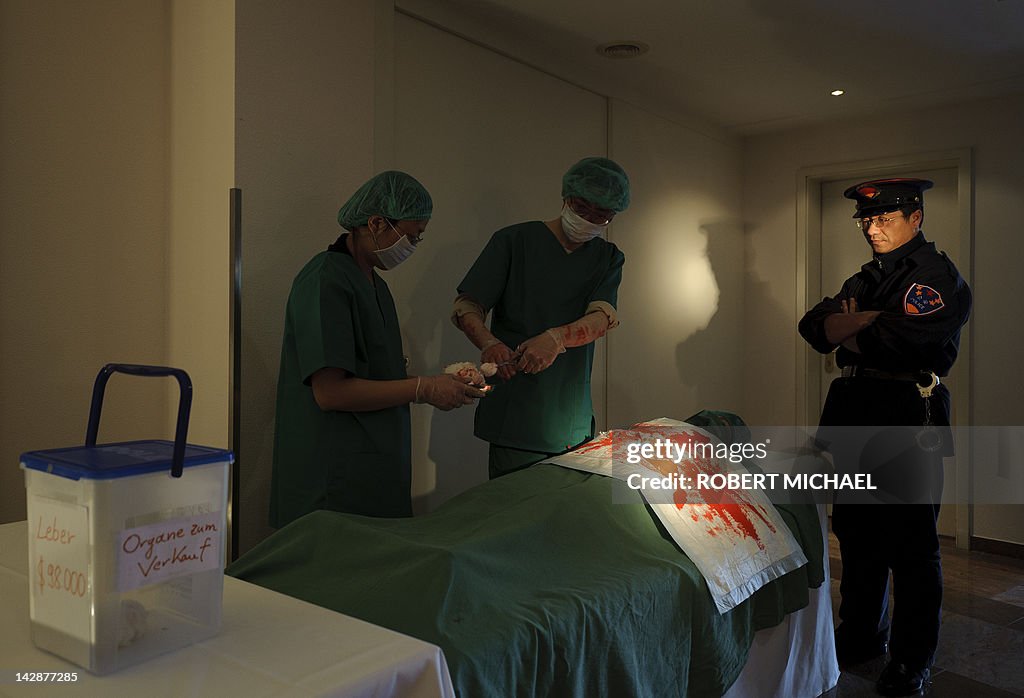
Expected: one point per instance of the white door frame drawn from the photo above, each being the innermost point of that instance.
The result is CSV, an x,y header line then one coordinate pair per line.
x,y
809,292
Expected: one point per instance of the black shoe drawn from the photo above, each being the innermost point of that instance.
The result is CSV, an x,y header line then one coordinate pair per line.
x,y
849,654
898,679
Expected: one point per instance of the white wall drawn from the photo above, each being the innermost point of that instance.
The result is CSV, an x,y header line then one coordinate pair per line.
x,y
305,98
201,171
770,165
83,223
679,347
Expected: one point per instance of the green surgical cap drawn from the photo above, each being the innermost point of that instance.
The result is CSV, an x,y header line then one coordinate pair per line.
x,y
599,181
391,194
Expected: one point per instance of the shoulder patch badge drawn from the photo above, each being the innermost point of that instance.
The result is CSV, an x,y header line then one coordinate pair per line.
x,y
921,300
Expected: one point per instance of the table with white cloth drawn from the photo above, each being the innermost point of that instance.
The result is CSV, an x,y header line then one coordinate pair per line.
x,y
270,645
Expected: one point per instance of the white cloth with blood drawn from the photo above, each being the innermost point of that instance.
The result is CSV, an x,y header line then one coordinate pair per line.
x,y
736,538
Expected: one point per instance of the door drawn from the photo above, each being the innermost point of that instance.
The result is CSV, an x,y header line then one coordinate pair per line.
x,y
844,250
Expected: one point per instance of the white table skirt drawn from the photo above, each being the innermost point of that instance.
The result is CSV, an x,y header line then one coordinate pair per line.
x,y
270,645
798,656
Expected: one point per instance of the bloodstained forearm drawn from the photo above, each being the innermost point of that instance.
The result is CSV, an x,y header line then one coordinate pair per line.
x,y
581,332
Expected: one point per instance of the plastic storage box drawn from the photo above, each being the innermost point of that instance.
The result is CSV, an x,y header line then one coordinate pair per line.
x,y
126,541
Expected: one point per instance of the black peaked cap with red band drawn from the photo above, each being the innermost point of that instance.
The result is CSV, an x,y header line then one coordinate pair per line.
x,y
884,195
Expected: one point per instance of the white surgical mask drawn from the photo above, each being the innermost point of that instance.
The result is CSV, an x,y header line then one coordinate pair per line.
x,y
391,257
578,229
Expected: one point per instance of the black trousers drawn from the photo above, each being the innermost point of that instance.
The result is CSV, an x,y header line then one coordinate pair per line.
x,y
897,534
874,540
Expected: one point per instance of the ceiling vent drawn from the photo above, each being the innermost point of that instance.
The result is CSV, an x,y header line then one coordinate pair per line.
x,y
623,49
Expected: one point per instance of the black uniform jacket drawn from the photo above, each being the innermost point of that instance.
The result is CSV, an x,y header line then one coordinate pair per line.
x,y
924,303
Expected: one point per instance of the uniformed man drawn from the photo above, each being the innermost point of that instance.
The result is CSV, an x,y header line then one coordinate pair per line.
x,y
895,326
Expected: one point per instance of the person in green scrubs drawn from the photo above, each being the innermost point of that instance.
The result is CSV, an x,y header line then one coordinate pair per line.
x,y
343,437
552,287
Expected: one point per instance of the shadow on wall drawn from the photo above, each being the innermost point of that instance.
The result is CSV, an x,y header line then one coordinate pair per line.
x,y
255,454
669,293
455,459
711,360
707,361
765,323
281,237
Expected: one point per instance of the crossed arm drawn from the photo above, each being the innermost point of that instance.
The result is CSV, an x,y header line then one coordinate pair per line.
x,y
842,328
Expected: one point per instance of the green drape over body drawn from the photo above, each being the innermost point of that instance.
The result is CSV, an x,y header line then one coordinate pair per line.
x,y
545,582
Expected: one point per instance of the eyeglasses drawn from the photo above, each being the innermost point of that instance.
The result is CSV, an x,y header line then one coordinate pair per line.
x,y
414,239
591,213
881,221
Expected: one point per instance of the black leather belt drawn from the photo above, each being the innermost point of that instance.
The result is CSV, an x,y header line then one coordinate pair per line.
x,y
919,377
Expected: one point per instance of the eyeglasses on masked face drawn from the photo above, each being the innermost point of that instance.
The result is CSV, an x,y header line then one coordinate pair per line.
x,y
415,238
590,213
864,224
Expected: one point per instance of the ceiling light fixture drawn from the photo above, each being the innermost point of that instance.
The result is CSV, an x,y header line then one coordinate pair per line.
x,y
837,93
623,49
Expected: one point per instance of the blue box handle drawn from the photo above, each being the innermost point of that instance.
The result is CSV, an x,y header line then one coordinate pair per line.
x,y
184,405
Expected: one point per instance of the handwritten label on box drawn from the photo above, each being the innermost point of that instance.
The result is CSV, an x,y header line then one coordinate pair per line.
x,y
58,534
168,549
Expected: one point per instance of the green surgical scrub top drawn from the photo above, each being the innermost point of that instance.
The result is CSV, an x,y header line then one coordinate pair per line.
x,y
529,281
356,462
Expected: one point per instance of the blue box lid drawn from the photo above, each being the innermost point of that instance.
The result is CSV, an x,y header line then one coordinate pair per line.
x,y
111,461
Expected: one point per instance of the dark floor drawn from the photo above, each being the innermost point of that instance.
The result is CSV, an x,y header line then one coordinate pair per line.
x,y
981,645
